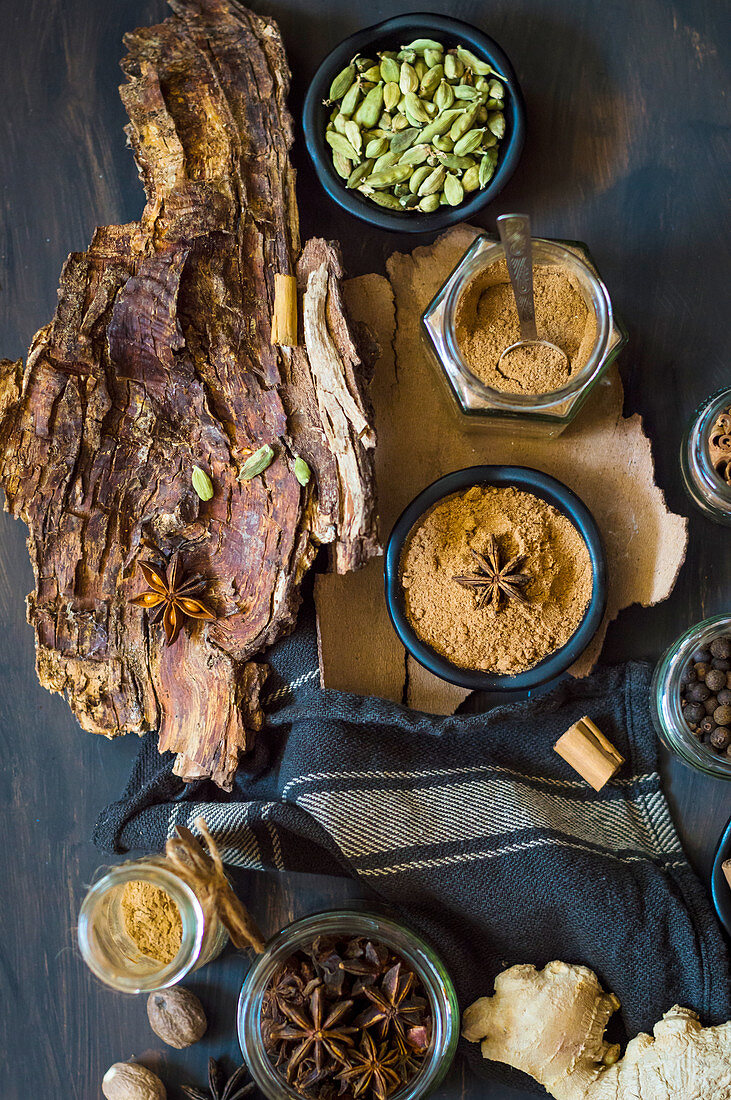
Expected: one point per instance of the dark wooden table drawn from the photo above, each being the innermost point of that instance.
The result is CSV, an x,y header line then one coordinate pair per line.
x,y
626,120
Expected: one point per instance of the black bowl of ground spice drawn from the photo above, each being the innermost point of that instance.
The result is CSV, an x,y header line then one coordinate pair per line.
x,y
496,578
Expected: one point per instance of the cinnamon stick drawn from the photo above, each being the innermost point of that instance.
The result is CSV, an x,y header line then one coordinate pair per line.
x,y
589,752
284,321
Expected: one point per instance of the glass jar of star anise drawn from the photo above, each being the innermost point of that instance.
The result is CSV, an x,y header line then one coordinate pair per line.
x,y
348,1004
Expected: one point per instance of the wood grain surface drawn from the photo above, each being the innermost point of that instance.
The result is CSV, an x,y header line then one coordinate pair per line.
x,y
625,151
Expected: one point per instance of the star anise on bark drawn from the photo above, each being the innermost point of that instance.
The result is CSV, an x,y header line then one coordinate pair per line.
x,y
390,1010
494,582
235,1087
372,1068
316,1032
172,595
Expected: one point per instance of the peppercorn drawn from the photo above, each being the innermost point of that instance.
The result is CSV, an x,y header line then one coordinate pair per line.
x,y
724,697
710,704
689,675
721,663
707,724
697,693
722,715
720,739
694,713
721,647
702,655
715,679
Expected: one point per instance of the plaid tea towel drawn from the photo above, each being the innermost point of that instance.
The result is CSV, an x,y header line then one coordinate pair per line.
x,y
471,827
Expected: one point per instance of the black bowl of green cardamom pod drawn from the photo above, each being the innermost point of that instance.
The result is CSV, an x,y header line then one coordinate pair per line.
x,y
416,123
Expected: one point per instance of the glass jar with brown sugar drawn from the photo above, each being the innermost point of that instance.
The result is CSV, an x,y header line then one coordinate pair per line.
x,y
473,318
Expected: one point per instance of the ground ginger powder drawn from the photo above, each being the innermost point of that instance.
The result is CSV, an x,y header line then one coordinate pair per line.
x,y
486,322
445,614
152,920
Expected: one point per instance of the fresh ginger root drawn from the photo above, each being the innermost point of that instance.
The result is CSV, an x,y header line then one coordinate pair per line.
x,y
550,1024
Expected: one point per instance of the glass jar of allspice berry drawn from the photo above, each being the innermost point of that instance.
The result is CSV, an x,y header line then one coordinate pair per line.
x,y
691,697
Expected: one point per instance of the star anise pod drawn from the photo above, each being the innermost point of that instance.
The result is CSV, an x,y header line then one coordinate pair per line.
x,y
494,582
390,1010
235,1087
171,595
372,1067
317,1034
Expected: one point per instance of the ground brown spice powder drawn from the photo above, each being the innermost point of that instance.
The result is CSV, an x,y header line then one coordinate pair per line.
x,y
445,614
152,919
486,322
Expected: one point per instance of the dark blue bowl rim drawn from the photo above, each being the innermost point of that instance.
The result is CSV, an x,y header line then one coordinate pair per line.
x,y
720,889
528,480
411,23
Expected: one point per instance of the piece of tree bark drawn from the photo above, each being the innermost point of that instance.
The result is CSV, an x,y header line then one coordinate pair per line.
x,y
159,358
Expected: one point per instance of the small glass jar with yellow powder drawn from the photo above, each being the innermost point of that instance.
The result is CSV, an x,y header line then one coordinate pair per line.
x,y
142,927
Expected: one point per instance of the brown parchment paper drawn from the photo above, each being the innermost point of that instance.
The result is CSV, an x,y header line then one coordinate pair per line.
x,y
602,456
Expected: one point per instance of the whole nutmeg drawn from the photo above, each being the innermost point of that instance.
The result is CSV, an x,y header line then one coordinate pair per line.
x,y
129,1081
176,1016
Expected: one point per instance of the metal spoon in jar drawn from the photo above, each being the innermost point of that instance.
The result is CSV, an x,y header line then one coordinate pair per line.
x,y
514,230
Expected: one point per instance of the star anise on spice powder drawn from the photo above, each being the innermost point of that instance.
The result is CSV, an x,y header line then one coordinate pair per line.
x,y
373,1068
172,595
235,1087
494,582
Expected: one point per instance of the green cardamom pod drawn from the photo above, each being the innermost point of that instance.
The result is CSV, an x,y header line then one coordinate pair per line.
x,y
419,45
481,116
418,178
341,145
495,104
339,123
395,174
487,168
382,198
496,123
444,143
342,82
444,96
391,95
434,57
302,471
386,160
353,134
342,165
496,90
406,55
462,124
400,122
376,146
471,178
469,143
472,62
390,70
404,139
431,81
456,164
201,483
360,172
257,463
408,80
417,154
433,182
373,74
409,201
453,190
466,92
350,100
429,203
420,68
363,63
453,67
384,123
370,109
414,107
